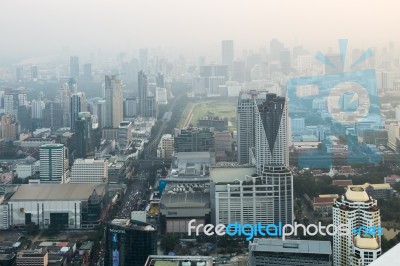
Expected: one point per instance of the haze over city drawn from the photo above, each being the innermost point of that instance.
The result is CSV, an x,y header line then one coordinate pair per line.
x,y
46,27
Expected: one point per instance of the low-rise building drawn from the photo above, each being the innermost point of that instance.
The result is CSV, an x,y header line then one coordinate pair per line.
x,y
33,257
179,260
268,252
323,204
377,191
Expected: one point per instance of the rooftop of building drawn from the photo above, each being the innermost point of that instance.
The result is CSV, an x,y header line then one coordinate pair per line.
x,y
366,242
342,183
291,246
161,260
374,186
324,200
48,192
88,161
357,194
186,195
132,224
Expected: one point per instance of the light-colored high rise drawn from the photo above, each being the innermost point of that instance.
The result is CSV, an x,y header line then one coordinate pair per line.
x,y
64,97
37,109
356,209
227,52
78,104
246,105
114,101
8,127
166,146
89,171
53,164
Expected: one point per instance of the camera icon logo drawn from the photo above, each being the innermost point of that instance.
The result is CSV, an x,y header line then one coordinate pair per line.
x,y
335,108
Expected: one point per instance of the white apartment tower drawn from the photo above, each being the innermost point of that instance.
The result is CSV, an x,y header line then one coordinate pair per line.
x,y
356,209
93,171
53,164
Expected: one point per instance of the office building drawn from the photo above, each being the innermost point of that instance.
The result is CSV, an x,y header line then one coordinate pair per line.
x,y
84,135
179,260
78,104
130,107
98,109
87,72
151,107
64,97
129,242
11,103
33,257
53,163
227,52
160,80
166,146
246,105
34,72
124,134
161,95
74,66
269,252
271,133
9,127
62,206
94,171
356,209
142,92
37,109
193,140
53,115
114,101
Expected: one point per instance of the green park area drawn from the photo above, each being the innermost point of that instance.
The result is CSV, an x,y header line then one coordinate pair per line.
x,y
222,109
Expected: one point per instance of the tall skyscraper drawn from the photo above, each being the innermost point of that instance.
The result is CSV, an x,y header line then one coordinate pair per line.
x,y
142,92
356,209
87,71
114,101
53,163
271,133
74,66
34,72
37,109
11,103
78,104
64,97
83,135
143,57
227,52
8,127
246,105
53,115
160,80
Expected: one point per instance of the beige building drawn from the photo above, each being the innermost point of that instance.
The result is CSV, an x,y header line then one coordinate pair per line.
x,y
33,257
166,146
114,101
394,136
8,127
356,209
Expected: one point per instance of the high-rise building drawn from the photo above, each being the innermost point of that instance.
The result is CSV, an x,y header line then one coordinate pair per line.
x,y
53,163
130,107
78,104
8,127
356,209
92,171
11,103
53,115
114,101
227,52
33,257
74,66
87,72
160,80
161,96
19,74
268,252
151,107
34,72
129,242
64,97
166,146
246,105
37,109
124,134
194,140
97,108
142,92
143,57
83,135
271,133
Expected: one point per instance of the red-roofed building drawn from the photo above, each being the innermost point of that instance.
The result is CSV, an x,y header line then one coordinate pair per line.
x,y
342,183
323,204
392,179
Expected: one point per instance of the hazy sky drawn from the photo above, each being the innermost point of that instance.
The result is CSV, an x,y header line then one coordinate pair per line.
x,y
37,27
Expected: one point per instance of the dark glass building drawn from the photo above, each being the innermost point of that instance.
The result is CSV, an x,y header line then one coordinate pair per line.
x,y
129,242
